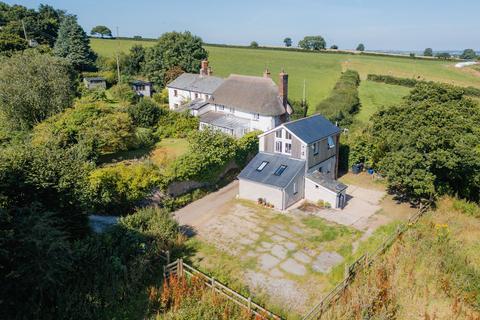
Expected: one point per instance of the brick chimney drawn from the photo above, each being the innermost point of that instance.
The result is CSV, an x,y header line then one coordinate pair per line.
x,y
283,88
204,68
266,73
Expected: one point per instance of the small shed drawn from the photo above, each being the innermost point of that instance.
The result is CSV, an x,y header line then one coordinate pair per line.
x,y
142,88
95,82
319,186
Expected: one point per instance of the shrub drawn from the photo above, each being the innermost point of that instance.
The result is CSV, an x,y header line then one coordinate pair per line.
x,y
247,148
145,113
343,101
124,94
144,137
469,208
210,152
117,189
410,82
176,125
161,97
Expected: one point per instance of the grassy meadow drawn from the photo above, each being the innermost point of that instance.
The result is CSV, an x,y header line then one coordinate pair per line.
x,y
319,71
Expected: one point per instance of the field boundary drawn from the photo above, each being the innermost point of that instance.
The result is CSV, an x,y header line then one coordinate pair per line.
x,y
361,263
182,269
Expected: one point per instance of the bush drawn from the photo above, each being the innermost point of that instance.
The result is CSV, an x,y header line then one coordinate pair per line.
x,y
124,94
161,98
343,101
176,125
210,152
410,82
98,126
469,208
145,113
145,137
117,189
247,148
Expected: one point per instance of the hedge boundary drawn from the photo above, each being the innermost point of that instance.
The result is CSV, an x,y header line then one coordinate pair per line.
x,y
411,82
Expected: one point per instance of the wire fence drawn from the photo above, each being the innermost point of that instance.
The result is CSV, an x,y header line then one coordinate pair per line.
x,y
362,262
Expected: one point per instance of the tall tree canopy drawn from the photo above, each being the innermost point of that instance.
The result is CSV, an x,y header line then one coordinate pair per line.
x,y
428,52
361,47
174,49
288,42
102,31
428,145
35,86
41,25
468,54
73,44
312,43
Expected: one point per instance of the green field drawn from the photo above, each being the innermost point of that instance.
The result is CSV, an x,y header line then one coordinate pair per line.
x,y
320,71
374,95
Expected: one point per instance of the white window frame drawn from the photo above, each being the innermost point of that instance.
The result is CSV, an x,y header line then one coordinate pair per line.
x,y
315,148
288,135
281,134
256,116
330,142
295,188
277,144
289,149
262,166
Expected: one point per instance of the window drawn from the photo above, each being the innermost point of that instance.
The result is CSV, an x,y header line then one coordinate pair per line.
x,y
315,148
331,143
221,108
295,189
196,95
288,148
256,116
278,146
280,170
175,93
262,166
278,133
288,135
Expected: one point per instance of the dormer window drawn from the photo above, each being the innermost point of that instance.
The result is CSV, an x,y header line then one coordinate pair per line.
x,y
331,143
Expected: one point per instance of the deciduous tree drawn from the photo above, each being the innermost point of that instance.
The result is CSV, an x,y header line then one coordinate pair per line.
x,y
288,42
428,52
361,47
102,31
312,43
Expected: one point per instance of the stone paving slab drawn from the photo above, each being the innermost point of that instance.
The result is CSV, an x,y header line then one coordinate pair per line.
x,y
326,261
293,267
268,261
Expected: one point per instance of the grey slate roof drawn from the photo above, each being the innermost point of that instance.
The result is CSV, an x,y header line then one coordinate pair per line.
x,y
267,176
326,181
250,94
220,119
94,79
312,128
196,83
196,104
141,83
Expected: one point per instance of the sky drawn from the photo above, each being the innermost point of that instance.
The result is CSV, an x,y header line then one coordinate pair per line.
x,y
379,24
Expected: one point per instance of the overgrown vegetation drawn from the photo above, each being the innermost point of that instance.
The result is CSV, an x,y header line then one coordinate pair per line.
x,y
426,146
431,271
343,101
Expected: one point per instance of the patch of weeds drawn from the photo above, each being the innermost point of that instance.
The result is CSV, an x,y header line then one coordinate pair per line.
x,y
329,232
467,207
345,250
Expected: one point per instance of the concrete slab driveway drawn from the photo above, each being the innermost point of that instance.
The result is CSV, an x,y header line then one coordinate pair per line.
x,y
201,211
361,205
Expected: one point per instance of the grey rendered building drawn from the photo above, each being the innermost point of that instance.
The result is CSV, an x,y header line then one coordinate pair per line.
x,y
296,160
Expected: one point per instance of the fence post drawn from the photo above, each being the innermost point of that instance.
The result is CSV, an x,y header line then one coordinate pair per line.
x,y
213,284
367,263
181,267
249,304
168,256
164,271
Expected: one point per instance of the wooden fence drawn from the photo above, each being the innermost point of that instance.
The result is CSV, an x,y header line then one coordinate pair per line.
x,y
363,262
181,269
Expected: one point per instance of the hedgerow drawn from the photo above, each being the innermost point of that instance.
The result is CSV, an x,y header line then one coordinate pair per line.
x,y
343,101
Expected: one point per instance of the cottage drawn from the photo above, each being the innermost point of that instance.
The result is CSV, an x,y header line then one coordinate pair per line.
x,y
142,88
189,87
94,82
296,160
236,105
